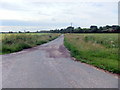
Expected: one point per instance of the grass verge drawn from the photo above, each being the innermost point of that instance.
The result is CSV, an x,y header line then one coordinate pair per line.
x,y
100,50
16,42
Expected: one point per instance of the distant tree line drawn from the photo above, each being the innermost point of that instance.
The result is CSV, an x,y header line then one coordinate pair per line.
x,y
92,29
70,29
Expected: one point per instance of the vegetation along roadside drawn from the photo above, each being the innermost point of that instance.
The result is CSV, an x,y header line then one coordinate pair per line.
x,y
16,42
100,50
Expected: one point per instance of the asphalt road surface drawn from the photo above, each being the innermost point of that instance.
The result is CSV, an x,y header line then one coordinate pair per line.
x,y
50,66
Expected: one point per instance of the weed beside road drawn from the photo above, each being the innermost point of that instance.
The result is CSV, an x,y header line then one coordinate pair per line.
x,y
17,42
100,50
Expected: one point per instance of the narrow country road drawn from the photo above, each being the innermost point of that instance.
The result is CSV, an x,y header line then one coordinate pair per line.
x,y
50,66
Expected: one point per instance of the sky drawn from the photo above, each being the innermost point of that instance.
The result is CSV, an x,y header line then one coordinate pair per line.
x,y
52,14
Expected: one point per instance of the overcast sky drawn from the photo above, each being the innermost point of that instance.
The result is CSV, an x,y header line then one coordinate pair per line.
x,y
58,13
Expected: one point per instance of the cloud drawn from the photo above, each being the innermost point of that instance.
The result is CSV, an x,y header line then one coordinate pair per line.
x,y
30,23
74,0
52,14
11,6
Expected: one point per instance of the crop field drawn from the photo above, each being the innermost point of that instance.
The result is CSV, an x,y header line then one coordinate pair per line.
x,y
16,42
100,50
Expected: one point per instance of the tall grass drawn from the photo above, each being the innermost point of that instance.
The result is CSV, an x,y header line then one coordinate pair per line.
x,y
100,50
17,42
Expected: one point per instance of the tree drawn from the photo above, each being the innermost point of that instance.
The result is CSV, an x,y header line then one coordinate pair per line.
x,y
94,28
19,32
69,29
